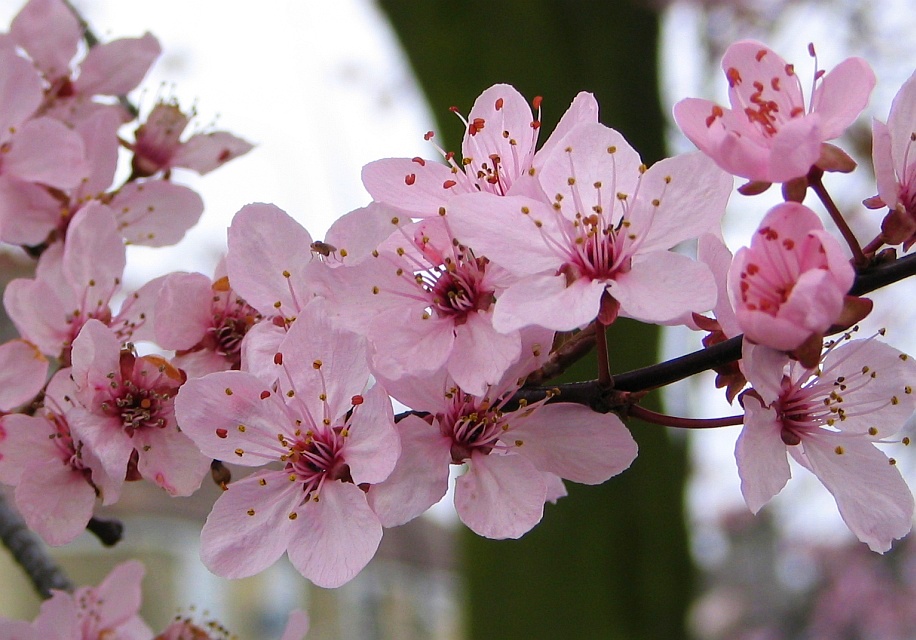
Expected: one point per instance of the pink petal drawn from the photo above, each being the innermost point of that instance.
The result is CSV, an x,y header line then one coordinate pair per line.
x,y
900,123
662,286
420,478
416,188
761,455
156,213
481,355
46,151
500,496
842,95
357,233
297,625
885,176
794,148
874,500
184,310
259,346
335,536
94,256
96,352
574,442
28,213
50,33
235,544
592,154
169,459
764,367
342,370
20,91
211,416
583,109
23,372
205,152
265,243
546,301
119,595
24,441
38,314
410,341
373,447
99,134
117,67
749,64
55,501
679,198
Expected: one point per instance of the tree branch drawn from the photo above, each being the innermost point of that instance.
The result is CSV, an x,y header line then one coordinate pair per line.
x,y
30,553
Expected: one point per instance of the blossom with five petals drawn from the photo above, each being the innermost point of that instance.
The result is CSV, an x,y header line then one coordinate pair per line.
x,y
332,438
769,135
829,419
602,247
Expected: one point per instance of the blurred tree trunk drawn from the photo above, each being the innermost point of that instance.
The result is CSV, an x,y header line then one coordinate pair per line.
x,y
608,562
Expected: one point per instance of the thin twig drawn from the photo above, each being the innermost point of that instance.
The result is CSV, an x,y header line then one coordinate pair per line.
x,y
30,552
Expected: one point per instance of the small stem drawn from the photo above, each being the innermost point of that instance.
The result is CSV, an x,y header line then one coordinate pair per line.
x,y
647,415
874,245
814,179
604,367
567,354
30,553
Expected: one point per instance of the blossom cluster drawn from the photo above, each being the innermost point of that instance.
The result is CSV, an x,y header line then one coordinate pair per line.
x,y
457,284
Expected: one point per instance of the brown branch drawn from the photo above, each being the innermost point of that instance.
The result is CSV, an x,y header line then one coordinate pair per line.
x,y
30,553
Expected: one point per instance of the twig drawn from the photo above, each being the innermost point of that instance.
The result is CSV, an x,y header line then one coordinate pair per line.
x,y
30,553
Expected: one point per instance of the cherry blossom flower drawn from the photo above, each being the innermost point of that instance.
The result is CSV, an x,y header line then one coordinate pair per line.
x,y
205,320
895,168
125,413
50,34
90,613
498,155
425,301
57,479
769,134
602,247
514,457
791,283
331,438
829,419
158,145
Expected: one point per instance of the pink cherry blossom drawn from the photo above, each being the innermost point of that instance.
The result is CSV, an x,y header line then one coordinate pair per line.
x,y
76,282
57,479
158,145
602,247
791,283
425,301
109,610
769,134
514,457
297,627
50,34
125,413
498,155
829,419
331,438
204,320
895,167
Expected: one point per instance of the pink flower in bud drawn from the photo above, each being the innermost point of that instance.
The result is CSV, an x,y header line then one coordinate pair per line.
x,y
791,283
894,155
158,145
769,134
829,419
